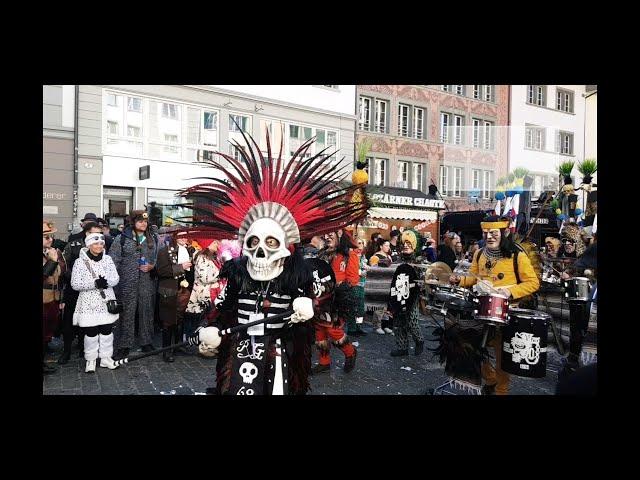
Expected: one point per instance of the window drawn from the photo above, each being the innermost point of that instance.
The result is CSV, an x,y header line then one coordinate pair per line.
x,y
459,123
476,132
380,171
534,137
444,180
402,180
365,114
475,181
486,186
332,139
170,110
477,91
133,131
537,95
445,88
238,121
418,173
297,136
457,182
381,116
444,127
488,134
112,100
369,161
235,152
170,139
134,104
418,122
210,120
459,89
488,93
403,120
565,143
564,101
113,127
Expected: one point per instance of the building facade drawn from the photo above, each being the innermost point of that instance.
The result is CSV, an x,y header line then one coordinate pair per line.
x,y
140,144
547,128
452,136
58,134
591,125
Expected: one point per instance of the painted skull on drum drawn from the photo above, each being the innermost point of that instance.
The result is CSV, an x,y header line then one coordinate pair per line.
x,y
264,244
525,347
402,288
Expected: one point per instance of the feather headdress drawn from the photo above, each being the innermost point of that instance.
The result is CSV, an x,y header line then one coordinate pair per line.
x,y
302,194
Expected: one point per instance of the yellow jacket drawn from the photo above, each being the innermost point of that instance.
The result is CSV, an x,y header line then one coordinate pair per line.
x,y
529,280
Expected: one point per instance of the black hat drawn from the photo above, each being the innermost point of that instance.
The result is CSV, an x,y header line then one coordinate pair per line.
x,y
102,222
394,233
89,216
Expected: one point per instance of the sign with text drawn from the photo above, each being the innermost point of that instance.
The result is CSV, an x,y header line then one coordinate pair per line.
x,y
387,199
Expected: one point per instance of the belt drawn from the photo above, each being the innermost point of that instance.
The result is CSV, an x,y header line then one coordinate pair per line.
x,y
50,287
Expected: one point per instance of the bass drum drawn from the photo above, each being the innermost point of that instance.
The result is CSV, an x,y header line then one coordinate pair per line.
x,y
524,343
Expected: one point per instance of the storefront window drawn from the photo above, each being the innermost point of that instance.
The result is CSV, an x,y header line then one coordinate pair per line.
x,y
164,205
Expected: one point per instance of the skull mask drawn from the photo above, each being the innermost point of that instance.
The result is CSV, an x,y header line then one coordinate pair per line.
x,y
264,244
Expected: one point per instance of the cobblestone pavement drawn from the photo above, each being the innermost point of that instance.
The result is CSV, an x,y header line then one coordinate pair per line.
x,y
376,373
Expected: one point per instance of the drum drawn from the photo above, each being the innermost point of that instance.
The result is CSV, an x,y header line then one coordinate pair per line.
x,y
493,308
524,343
455,298
577,289
589,352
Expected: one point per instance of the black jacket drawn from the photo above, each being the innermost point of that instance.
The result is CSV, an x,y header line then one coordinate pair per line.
x,y
446,255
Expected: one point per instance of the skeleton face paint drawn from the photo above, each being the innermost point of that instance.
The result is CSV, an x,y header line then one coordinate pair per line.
x,y
264,244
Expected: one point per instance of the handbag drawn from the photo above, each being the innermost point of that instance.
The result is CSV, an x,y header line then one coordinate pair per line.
x,y
113,306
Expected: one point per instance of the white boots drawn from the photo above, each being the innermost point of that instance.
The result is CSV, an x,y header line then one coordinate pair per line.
x,y
107,363
106,351
102,345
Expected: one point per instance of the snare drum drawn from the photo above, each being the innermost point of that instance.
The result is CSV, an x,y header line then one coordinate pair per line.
x,y
453,297
577,289
524,343
493,308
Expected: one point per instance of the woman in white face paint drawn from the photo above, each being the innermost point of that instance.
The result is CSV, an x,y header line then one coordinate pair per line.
x,y
94,276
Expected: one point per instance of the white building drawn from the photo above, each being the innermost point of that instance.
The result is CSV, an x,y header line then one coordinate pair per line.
x,y
547,128
591,125
169,128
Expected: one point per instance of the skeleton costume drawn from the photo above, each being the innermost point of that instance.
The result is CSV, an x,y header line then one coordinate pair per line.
x,y
272,205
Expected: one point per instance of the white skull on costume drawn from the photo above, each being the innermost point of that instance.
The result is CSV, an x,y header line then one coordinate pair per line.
x,y
265,246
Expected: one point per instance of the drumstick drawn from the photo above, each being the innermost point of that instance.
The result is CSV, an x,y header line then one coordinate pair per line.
x,y
483,281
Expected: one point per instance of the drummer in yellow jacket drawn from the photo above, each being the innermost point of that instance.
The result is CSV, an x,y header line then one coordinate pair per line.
x,y
494,265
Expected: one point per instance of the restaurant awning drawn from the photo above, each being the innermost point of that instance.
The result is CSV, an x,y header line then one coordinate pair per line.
x,y
403,213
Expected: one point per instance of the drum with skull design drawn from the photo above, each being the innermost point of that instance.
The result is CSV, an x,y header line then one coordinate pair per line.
x,y
404,289
324,283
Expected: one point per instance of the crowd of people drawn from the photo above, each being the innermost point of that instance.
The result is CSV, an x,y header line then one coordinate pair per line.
x,y
269,257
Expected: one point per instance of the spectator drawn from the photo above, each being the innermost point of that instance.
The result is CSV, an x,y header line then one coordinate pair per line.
x,y
53,268
473,248
70,296
176,278
94,276
80,236
106,231
311,249
358,291
395,248
206,285
373,245
446,250
134,253
382,257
